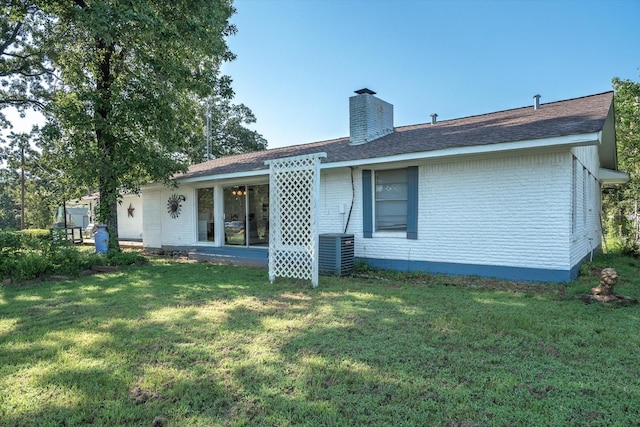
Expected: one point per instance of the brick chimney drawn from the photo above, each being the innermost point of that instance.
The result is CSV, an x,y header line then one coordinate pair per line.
x,y
369,117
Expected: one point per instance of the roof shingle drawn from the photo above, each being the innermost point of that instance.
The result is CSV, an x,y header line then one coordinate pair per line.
x,y
562,118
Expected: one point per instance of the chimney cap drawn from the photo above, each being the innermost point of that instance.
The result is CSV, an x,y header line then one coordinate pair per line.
x,y
365,91
434,118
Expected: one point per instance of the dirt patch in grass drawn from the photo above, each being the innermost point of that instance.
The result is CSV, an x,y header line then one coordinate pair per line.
x,y
140,396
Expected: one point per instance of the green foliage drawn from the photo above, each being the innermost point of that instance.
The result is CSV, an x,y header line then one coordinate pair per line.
x,y
116,258
23,65
40,192
37,234
621,205
30,254
28,264
623,246
205,344
9,209
225,128
133,77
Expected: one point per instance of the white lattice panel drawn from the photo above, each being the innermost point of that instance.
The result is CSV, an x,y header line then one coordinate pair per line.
x,y
294,192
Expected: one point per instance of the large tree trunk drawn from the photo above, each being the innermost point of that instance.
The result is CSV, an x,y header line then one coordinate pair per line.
x,y
106,142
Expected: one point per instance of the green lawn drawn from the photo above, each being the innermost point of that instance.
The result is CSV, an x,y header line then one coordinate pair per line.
x,y
203,344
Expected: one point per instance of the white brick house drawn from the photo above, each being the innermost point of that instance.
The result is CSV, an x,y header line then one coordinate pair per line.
x,y
513,194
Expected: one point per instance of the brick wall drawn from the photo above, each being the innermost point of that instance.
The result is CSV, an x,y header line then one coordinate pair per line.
x,y
130,227
151,220
510,211
587,235
160,229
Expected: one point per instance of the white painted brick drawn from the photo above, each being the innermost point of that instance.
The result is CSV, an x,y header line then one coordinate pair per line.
x,y
510,211
588,234
130,227
336,189
152,234
369,118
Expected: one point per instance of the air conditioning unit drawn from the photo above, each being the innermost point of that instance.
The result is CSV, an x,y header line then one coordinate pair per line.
x,y
335,255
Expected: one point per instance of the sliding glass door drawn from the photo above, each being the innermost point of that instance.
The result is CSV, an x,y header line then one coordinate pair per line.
x,y
246,215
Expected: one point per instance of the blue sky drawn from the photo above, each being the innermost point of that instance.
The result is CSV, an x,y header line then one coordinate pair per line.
x,y
298,61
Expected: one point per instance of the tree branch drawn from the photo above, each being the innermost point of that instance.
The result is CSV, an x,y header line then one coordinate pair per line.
x,y
11,39
12,102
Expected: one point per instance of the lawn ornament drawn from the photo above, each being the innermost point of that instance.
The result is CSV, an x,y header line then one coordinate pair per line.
x,y
604,292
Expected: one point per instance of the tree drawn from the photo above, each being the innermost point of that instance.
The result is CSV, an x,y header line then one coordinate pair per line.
x,y
23,64
224,127
131,77
623,204
9,209
225,130
34,188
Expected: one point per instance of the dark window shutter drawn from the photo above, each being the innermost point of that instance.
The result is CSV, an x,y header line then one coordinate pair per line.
x,y
412,202
367,204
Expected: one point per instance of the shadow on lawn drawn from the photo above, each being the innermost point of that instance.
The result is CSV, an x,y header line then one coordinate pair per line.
x,y
215,344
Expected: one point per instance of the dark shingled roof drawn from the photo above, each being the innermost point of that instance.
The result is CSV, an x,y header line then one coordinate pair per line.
x,y
554,119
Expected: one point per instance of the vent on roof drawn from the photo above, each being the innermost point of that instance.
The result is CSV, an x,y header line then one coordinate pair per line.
x,y
335,254
434,118
536,102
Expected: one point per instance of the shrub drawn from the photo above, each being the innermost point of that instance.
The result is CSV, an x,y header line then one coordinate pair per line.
x,y
29,254
125,258
626,246
36,233
29,265
67,260
10,242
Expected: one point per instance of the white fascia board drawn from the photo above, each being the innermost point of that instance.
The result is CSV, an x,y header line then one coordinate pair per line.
x,y
235,175
227,176
560,141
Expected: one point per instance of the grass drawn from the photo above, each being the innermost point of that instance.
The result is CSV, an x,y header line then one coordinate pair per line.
x,y
176,343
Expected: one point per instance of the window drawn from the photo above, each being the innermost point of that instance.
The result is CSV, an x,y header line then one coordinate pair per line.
x,y
205,215
391,200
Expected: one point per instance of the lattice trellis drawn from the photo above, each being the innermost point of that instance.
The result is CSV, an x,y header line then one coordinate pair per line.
x,y
294,193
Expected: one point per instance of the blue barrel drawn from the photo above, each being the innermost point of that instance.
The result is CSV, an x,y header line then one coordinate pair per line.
x,y
102,239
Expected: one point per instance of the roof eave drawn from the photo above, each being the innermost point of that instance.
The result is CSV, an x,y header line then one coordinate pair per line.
x,y
209,177
504,147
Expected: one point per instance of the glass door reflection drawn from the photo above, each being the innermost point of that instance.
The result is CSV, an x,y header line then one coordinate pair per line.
x,y
246,215
235,212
